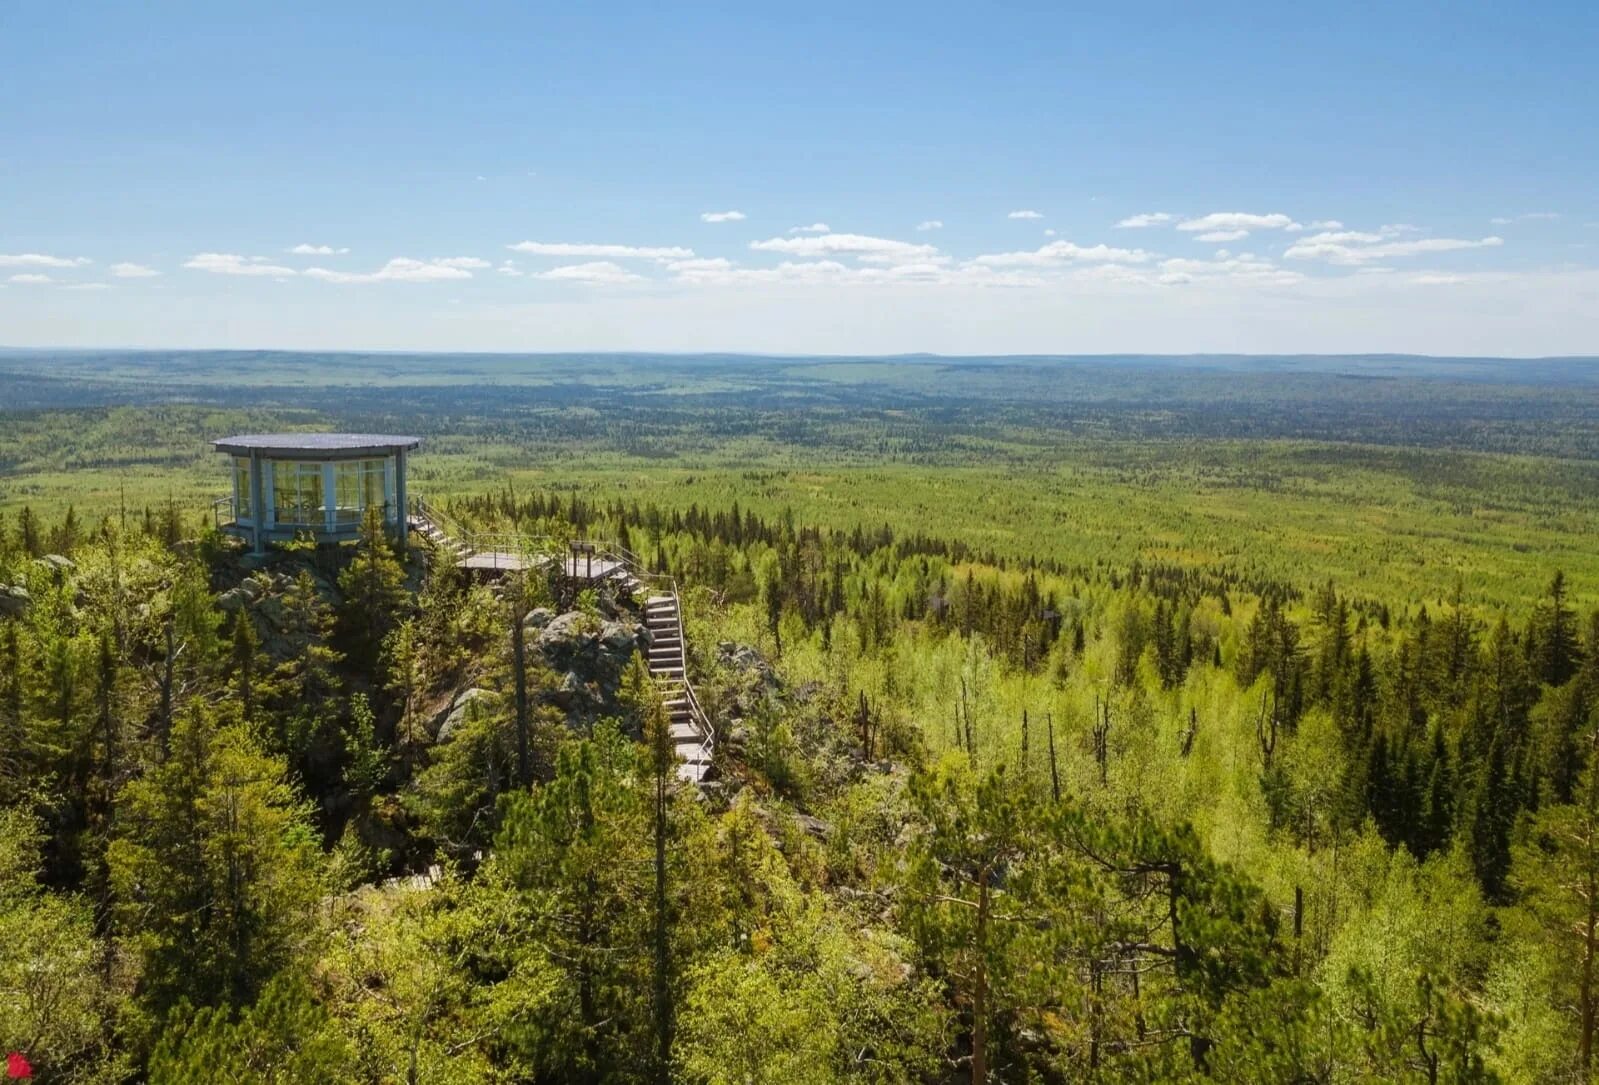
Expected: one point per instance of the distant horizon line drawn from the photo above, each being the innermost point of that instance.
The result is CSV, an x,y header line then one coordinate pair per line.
x,y
802,356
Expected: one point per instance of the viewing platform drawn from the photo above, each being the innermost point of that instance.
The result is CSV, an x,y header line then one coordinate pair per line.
x,y
319,484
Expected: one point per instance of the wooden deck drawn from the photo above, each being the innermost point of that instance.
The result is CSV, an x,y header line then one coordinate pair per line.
x,y
495,561
693,737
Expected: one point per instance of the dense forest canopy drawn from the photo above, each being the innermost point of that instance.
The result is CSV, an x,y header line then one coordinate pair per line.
x,y
1249,754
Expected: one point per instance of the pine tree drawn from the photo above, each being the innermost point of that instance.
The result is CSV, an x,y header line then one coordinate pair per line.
x,y
243,661
14,746
374,593
1488,828
1555,651
576,852
29,533
67,534
216,870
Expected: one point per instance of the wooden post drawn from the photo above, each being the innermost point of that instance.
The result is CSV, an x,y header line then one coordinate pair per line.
x,y
1054,771
257,506
402,528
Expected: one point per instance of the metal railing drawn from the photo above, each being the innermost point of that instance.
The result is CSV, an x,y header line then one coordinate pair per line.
x,y
543,549
540,550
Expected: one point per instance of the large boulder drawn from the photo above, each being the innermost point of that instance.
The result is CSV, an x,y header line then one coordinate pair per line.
x,y
591,654
752,682
14,600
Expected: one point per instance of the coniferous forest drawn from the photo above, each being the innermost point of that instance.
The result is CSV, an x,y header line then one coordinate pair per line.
x,y
1058,739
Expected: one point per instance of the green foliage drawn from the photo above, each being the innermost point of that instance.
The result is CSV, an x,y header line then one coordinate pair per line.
x,y
374,593
1193,759
284,1037
55,999
217,872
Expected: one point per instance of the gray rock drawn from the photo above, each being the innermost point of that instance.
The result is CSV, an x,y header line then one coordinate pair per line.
x,y
570,627
618,639
274,613
234,599
538,618
455,715
14,601
57,563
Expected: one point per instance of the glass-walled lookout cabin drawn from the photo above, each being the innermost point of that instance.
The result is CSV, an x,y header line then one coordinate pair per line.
x,y
320,484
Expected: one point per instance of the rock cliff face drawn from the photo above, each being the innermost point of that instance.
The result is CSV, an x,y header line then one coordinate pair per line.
x,y
261,594
590,654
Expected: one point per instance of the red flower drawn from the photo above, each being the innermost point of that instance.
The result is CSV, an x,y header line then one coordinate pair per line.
x,y
17,1067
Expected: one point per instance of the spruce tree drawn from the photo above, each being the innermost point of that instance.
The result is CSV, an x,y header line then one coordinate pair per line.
x,y
374,594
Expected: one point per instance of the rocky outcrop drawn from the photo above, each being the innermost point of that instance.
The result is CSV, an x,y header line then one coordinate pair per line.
x,y
752,683
590,653
261,595
56,563
14,601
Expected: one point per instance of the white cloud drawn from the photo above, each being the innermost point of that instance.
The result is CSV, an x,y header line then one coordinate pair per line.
x,y
1057,253
1049,232
1529,216
1246,268
1357,249
876,250
1237,220
509,268
38,259
598,272
87,286
608,252
1346,237
930,224
832,273
1215,236
1024,215
304,249
31,279
1326,224
1148,218
813,228
704,264
227,263
1432,278
403,269
722,216
133,271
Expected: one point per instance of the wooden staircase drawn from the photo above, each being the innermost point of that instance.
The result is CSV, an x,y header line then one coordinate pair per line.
x,y
426,523
690,728
687,724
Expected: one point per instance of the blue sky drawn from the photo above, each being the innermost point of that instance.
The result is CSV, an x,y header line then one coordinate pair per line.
x,y
813,178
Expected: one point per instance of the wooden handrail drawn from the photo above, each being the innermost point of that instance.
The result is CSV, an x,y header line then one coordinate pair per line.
x,y
621,556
